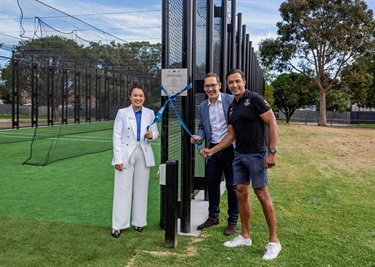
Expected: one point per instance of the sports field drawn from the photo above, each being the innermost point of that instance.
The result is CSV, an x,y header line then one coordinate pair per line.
x,y
323,188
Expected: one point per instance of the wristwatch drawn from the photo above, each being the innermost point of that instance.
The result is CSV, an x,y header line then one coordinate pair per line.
x,y
273,150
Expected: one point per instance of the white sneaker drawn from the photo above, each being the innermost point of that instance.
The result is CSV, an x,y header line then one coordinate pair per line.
x,y
238,241
273,249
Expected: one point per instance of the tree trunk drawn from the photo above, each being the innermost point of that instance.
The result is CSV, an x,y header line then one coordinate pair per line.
x,y
56,113
288,116
322,112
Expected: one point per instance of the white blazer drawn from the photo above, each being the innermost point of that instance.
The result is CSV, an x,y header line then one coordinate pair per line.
x,y
125,136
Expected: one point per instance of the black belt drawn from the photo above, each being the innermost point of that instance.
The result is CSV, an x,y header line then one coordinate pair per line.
x,y
212,145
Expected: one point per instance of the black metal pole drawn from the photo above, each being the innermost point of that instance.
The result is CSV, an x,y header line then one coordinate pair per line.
x,y
77,100
224,44
171,203
187,149
51,92
233,34
164,123
15,95
247,61
239,41
210,36
34,95
243,49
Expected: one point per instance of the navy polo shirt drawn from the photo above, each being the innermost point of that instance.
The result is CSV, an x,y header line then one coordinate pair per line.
x,y
250,130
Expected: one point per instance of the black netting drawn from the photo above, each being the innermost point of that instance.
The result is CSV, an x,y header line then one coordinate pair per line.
x,y
175,61
199,161
175,37
175,54
218,42
66,70
66,141
201,39
201,48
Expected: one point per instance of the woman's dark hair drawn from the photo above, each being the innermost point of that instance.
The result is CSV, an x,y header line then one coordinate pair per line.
x,y
134,86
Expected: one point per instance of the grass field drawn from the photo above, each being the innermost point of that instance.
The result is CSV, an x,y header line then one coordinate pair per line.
x,y
323,188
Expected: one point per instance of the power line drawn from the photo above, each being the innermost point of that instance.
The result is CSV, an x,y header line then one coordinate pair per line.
x,y
87,15
84,22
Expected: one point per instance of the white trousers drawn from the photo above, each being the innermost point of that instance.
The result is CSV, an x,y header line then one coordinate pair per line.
x,y
130,193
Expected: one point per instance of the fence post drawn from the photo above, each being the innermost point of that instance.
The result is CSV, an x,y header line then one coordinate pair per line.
x,y
171,204
162,178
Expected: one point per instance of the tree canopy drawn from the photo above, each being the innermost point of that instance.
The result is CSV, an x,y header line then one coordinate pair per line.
x,y
140,61
318,38
292,91
359,77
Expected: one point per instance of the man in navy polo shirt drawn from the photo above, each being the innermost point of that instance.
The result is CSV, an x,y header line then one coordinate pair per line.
x,y
252,124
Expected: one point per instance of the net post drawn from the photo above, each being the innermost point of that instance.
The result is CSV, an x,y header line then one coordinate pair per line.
x,y
162,178
171,204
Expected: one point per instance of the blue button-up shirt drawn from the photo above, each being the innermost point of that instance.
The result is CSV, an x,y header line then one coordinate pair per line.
x,y
138,116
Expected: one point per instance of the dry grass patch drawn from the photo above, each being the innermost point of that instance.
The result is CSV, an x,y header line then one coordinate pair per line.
x,y
344,148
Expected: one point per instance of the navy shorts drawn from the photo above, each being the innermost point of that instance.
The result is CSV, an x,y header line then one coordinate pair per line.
x,y
250,167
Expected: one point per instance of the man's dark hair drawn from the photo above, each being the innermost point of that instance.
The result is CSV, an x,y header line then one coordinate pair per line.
x,y
233,71
213,74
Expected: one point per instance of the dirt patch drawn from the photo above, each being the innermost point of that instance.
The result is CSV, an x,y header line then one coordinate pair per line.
x,y
7,123
191,251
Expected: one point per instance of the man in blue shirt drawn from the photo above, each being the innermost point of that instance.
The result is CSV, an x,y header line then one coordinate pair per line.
x,y
213,126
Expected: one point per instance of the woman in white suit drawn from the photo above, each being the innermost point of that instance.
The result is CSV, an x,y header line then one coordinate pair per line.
x,y
133,157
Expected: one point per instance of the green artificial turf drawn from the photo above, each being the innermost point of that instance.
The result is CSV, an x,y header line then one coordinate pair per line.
x,y
76,190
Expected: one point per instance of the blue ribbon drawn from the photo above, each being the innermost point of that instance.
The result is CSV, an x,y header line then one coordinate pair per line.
x,y
170,100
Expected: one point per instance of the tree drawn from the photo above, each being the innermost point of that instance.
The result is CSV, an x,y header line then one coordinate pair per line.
x,y
358,78
338,99
133,62
371,91
5,87
54,54
268,94
292,91
138,60
268,91
320,37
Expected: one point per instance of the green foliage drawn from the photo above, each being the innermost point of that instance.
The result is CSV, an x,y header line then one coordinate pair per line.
x,y
293,91
137,60
371,91
268,95
338,99
319,38
358,78
61,62
138,57
5,87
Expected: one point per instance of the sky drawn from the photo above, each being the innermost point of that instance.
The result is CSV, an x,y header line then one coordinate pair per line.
x,y
128,20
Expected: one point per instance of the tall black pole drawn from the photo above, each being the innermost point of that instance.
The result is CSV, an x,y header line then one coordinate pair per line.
x,y
164,122
233,35
224,44
239,41
210,36
187,149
